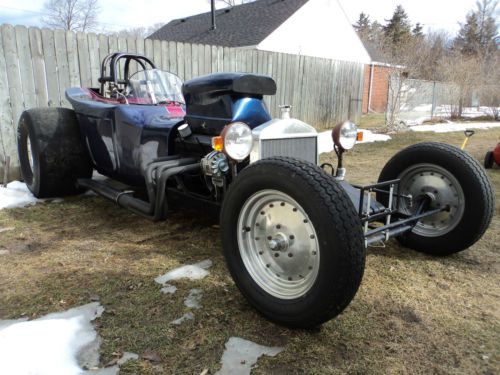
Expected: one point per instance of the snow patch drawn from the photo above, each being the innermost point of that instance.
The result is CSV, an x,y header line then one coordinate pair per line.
x,y
195,271
240,355
16,194
193,299
168,289
56,344
186,316
325,142
454,127
59,343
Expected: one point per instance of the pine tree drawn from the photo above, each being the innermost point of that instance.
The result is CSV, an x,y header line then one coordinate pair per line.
x,y
418,30
479,34
398,29
362,26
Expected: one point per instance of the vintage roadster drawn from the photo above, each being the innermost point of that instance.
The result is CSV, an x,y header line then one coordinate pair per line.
x,y
293,235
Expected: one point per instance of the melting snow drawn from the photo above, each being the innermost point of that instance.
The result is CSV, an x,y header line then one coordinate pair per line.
x,y
193,299
240,355
55,344
454,127
192,272
16,194
168,289
325,142
186,316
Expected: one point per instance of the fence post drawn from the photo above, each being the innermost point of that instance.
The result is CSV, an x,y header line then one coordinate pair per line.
x,y
433,107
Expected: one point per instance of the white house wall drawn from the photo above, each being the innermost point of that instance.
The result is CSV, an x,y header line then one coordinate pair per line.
x,y
321,29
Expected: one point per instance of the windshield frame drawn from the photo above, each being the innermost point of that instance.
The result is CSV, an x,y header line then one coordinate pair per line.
x,y
154,87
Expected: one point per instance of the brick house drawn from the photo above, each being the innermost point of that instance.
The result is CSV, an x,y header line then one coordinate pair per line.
x,y
376,81
376,87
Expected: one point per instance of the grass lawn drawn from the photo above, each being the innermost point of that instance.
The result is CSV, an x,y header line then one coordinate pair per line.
x,y
414,314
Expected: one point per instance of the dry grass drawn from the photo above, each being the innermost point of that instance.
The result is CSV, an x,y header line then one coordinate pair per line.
x,y
414,314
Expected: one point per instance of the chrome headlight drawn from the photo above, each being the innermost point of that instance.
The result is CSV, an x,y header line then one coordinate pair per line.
x,y
237,140
344,135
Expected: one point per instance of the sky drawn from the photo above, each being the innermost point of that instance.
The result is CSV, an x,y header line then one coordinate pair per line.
x,y
120,14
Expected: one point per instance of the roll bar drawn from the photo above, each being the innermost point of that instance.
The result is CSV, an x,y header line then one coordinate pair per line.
x,y
112,61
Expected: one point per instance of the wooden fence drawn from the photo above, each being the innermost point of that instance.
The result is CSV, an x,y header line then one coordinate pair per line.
x,y
38,65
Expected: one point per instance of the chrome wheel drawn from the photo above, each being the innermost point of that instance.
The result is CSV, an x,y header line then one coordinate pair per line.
x,y
442,188
278,244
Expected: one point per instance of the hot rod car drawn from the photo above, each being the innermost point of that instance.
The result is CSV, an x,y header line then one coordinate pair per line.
x,y
492,157
293,235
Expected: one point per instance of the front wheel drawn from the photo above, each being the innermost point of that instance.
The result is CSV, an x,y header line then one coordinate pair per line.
x,y
292,241
448,177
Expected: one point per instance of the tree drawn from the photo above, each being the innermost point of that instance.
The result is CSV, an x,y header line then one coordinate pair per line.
x,y
417,30
398,28
74,15
137,32
467,40
478,36
363,26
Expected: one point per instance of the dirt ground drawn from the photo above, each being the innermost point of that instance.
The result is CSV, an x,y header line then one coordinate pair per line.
x,y
414,314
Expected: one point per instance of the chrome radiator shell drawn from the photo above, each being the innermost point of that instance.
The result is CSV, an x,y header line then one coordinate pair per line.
x,y
285,137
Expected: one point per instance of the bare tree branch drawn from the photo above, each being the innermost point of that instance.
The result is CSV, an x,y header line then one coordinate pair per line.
x,y
74,15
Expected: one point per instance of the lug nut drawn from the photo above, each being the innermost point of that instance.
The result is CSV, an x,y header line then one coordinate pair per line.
x,y
306,221
278,226
295,209
290,255
269,238
311,236
292,237
282,203
276,255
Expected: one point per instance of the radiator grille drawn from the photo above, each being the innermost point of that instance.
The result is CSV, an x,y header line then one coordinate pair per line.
x,y
302,148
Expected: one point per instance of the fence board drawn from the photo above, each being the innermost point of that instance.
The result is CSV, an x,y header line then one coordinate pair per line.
x,y
49,55
94,58
12,67
73,63
38,66
62,65
84,59
25,66
7,130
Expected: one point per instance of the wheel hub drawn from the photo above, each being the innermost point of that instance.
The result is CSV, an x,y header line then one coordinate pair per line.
x,y
441,188
278,244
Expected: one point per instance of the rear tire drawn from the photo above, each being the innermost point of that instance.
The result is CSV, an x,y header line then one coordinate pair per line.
x,y
489,160
454,178
319,264
51,152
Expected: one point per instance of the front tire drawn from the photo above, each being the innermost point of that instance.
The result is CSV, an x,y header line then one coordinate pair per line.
x,y
51,152
292,241
451,177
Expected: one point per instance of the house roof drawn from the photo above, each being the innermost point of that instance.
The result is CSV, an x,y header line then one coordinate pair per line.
x,y
243,25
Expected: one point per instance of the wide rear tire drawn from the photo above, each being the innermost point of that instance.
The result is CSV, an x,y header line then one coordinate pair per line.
x,y
51,152
454,179
292,241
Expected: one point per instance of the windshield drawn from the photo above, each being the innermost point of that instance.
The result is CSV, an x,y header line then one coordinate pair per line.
x,y
154,86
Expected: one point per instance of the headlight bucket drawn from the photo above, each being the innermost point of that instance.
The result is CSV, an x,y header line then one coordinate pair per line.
x,y
238,140
344,135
